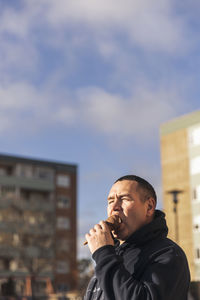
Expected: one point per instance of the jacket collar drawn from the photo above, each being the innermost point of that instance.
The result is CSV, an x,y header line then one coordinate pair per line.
x,y
157,228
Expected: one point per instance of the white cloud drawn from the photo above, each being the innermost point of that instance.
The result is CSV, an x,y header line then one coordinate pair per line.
x,y
109,114
15,22
18,53
17,97
148,24
66,115
138,116
72,27
22,107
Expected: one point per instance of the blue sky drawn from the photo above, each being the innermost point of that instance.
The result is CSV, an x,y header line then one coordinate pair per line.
x,y
90,82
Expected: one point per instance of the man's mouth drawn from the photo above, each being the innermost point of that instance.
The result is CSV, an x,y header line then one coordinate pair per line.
x,y
114,222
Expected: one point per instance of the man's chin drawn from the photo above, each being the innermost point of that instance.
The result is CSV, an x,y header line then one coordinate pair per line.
x,y
121,234
118,235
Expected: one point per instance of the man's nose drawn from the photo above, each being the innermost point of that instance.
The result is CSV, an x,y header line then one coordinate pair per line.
x,y
117,203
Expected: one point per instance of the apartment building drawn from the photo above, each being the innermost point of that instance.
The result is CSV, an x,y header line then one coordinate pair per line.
x,y
38,222
180,160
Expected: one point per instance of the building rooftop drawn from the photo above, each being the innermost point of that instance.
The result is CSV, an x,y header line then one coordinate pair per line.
x,y
182,122
46,163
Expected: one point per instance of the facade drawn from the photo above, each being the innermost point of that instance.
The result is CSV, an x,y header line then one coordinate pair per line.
x,y
180,160
38,222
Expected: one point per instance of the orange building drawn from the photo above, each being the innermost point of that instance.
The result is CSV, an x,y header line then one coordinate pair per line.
x,y
180,160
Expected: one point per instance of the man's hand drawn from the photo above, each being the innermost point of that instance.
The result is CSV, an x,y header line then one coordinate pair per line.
x,y
99,236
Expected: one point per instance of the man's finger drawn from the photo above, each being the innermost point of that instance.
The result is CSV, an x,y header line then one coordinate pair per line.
x,y
92,231
104,225
87,236
97,227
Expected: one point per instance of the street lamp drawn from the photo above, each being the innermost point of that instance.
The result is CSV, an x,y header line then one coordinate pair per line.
x,y
175,194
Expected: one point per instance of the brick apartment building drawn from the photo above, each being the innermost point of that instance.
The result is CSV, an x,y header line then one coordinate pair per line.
x,y
38,222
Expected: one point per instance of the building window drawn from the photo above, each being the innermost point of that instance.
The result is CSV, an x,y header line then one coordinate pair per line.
x,y
197,223
63,202
32,220
3,172
44,173
6,170
63,223
195,165
16,239
63,287
13,265
197,253
24,171
2,265
195,137
7,190
62,245
63,181
196,193
62,267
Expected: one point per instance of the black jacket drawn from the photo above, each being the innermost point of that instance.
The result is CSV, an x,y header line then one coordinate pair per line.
x,y
148,266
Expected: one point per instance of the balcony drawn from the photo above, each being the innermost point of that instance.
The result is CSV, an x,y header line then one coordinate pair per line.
x,y
8,273
35,252
36,204
9,251
28,183
24,228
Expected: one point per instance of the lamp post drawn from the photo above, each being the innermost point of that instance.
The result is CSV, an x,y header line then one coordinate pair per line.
x,y
175,194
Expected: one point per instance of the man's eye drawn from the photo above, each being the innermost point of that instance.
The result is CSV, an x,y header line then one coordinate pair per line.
x,y
110,201
126,198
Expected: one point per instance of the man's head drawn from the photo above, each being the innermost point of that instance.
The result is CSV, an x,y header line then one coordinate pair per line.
x,y
134,200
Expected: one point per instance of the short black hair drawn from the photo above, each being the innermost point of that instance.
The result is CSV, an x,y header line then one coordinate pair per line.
x,y
143,185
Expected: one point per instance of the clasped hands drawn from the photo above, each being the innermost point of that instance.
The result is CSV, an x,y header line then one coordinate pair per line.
x,y
99,236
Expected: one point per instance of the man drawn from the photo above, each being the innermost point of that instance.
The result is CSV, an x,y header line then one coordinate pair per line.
x,y
138,261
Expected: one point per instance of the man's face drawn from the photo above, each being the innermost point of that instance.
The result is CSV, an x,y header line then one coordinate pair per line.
x,y
124,200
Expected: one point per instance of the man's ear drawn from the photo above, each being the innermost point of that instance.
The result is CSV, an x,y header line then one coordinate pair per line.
x,y
151,204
